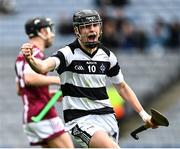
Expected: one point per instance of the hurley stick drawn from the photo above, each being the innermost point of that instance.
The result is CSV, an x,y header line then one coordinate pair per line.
x,y
157,118
48,106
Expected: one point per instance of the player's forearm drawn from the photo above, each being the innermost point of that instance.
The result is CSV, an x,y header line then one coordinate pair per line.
x,y
36,65
127,94
40,80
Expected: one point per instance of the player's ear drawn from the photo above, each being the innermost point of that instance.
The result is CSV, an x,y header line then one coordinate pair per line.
x,y
76,31
43,31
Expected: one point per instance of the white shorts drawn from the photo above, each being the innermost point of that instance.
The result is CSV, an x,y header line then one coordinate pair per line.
x,y
83,128
38,133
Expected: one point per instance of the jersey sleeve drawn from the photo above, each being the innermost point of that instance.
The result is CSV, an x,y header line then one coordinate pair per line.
x,y
57,61
114,73
61,57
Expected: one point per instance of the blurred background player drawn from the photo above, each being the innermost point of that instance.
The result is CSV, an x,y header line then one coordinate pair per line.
x,y
33,88
84,66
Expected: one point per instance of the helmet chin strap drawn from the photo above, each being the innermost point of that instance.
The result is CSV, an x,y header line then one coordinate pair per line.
x,y
90,45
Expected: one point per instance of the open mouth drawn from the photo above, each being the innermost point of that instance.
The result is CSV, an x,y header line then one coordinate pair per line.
x,y
92,37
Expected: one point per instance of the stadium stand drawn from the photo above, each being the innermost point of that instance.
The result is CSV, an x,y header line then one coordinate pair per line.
x,y
144,13
147,74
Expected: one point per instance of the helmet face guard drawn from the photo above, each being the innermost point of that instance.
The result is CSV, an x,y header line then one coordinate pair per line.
x,y
83,19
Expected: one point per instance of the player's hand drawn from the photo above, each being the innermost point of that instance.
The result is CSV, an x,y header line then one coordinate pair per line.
x,y
150,124
26,50
147,119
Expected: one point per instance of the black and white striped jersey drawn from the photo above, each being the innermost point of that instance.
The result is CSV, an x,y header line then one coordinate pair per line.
x,y
83,79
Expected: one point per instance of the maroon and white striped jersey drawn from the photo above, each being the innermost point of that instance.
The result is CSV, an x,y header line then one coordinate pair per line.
x,y
34,97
